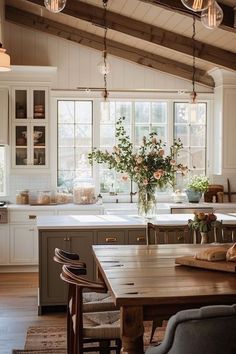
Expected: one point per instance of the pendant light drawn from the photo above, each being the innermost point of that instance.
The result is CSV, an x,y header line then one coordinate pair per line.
x,y
196,5
104,69
55,5
4,60
213,16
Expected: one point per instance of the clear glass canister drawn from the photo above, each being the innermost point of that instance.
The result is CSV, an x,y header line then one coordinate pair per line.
x,y
84,192
44,197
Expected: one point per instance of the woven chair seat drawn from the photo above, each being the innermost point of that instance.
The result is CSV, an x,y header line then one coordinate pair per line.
x,y
93,302
104,325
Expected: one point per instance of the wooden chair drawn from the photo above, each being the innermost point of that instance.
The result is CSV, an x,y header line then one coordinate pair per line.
x,y
92,301
210,329
88,328
171,234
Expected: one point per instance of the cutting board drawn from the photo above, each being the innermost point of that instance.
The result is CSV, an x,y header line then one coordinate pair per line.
x,y
219,265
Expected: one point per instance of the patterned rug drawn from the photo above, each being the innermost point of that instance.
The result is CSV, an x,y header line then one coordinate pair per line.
x,y
52,340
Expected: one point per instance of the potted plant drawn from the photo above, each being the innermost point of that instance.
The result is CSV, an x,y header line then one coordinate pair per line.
x,y
195,188
203,222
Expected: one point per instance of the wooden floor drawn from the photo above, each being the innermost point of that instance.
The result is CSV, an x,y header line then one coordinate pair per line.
x,y
18,309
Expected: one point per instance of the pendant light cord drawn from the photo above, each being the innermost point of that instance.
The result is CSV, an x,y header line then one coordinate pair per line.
x,y
105,48
194,95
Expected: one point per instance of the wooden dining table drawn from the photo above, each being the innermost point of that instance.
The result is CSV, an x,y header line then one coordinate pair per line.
x,y
146,284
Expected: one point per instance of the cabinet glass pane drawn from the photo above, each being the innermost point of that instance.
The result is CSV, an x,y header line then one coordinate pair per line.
x,y
21,156
39,156
39,104
21,135
21,104
39,135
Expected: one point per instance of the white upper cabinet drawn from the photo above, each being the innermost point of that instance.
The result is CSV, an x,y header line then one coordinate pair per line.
x,y
29,112
4,138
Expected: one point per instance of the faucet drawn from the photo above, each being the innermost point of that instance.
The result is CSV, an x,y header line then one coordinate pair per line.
x,y
131,192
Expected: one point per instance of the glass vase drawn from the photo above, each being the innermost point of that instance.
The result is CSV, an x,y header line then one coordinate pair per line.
x,y
204,237
147,201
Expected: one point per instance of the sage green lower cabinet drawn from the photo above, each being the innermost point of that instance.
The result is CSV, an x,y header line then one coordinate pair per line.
x,y
52,290
137,237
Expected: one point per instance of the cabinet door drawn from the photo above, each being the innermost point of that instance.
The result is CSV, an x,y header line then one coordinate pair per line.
x,y
4,244
137,237
4,138
22,245
53,291
112,237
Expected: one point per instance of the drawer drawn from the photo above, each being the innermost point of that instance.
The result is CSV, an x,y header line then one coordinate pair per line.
x,y
137,237
27,216
111,237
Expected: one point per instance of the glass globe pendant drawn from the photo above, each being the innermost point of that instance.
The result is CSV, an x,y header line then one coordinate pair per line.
x,y
104,66
213,16
55,5
196,5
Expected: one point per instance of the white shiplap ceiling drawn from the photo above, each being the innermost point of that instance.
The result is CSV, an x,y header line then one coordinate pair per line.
x,y
151,14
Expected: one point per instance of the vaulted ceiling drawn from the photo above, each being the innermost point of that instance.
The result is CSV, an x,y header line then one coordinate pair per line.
x,y
152,33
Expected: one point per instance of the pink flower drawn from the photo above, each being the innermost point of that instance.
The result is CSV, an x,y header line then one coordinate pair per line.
x,y
145,182
154,140
161,152
124,177
139,160
158,174
172,162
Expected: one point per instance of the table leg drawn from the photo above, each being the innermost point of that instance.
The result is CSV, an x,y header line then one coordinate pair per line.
x,y
132,330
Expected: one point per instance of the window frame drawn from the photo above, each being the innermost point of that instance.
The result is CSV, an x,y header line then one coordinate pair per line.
x,y
96,98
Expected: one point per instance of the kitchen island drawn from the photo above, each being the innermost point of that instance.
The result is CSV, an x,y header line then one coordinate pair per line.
x,y
77,233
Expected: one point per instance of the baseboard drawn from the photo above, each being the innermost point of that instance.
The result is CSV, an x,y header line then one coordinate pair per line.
x,y
19,269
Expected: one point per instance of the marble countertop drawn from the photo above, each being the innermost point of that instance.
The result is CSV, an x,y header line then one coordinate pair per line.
x,y
121,221
161,207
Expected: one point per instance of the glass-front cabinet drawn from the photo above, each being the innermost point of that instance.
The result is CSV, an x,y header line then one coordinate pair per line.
x,y
29,127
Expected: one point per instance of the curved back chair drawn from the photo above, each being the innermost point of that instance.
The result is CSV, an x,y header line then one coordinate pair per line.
x,y
92,327
91,301
170,234
210,329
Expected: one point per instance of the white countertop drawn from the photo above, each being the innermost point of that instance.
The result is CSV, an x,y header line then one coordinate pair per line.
x,y
89,221
162,208
121,221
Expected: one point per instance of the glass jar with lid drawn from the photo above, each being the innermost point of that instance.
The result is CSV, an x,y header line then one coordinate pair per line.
x,y
44,197
84,191
22,197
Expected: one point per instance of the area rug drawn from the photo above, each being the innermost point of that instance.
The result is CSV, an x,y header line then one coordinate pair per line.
x,y
52,339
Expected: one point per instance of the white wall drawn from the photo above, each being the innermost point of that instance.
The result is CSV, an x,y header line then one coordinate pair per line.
x,y
77,65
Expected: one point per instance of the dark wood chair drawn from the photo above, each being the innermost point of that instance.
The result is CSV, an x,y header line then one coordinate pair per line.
x,y
92,301
93,331
167,234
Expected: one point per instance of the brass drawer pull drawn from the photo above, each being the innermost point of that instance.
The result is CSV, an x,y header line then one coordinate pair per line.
x,y
32,217
140,238
31,229
110,239
66,239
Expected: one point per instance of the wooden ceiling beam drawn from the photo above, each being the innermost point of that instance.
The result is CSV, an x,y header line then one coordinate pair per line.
x,y
152,34
120,50
177,6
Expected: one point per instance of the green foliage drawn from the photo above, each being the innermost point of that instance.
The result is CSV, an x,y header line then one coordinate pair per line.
x,y
198,183
203,222
147,165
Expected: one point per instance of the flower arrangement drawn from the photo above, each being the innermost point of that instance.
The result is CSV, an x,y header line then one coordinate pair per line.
x,y
198,183
203,222
147,166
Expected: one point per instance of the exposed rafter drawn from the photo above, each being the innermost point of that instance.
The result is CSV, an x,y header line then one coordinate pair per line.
x,y
177,6
149,33
138,56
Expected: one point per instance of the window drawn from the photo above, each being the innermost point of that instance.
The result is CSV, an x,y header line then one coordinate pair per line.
x,y
167,118
74,140
2,170
190,126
